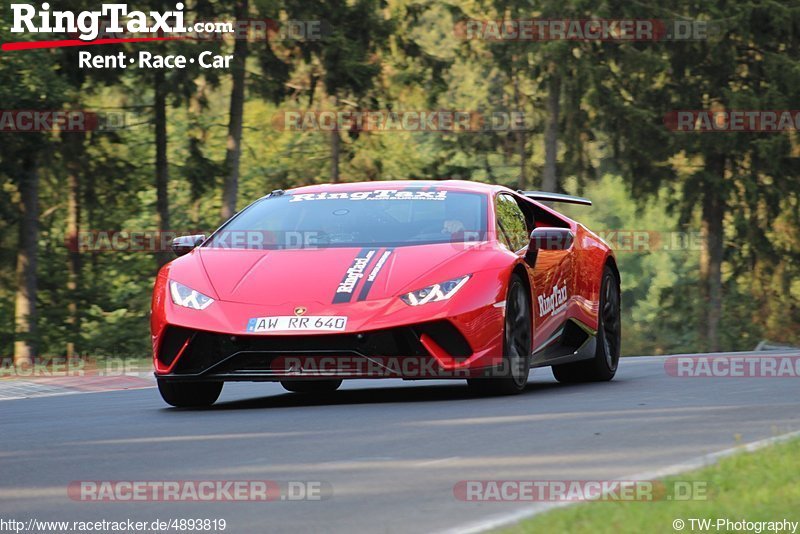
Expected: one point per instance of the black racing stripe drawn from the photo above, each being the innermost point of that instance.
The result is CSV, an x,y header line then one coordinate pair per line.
x,y
353,274
373,274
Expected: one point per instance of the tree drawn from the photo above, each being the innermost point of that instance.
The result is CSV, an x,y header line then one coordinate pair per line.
x,y
20,159
751,64
233,150
27,259
346,59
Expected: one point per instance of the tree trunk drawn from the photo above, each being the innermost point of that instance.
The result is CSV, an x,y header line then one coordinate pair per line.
x,y
233,152
162,166
522,180
25,302
90,204
73,150
550,177
713,253
336,148
198,136
336,142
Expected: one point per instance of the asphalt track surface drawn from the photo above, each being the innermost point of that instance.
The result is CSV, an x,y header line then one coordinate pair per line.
x,y
391,451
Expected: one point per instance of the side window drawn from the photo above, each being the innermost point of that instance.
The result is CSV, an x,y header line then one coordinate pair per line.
x,y
512,229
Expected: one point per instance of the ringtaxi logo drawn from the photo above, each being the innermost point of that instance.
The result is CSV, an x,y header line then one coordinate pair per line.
x,y
553,303
148,60
377,194
87,24
93,27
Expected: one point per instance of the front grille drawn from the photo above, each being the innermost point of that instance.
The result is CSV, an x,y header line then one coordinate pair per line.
x,y
208,350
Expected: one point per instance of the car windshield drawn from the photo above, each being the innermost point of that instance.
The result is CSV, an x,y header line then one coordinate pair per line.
x,y
382,217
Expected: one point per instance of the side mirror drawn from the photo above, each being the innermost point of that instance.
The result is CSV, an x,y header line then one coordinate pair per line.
x,y
551,239
185,244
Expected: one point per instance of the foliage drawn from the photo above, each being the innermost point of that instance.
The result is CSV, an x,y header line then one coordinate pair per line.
x,y
403,55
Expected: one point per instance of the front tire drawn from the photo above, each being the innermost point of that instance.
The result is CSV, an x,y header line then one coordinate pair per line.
x,y
603,366
517,342
311,386
189,394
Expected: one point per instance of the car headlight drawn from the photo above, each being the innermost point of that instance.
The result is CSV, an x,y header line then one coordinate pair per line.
x,y
188,297
436,292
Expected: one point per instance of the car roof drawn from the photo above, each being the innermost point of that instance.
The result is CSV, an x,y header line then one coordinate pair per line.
x,y
450,185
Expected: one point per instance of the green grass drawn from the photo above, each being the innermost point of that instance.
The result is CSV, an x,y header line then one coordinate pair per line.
x,y
758,486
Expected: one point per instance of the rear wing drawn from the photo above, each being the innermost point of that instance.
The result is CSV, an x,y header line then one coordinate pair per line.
x,y
544,196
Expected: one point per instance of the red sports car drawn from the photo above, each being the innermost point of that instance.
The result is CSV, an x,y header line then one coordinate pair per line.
x,y
406,279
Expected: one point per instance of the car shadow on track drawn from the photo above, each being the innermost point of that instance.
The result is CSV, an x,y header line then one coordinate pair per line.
x,y
370,395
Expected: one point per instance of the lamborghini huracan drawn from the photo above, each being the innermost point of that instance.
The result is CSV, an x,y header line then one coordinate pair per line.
x,y
406,279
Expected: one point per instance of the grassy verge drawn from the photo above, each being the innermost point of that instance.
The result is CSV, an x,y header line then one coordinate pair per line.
x,y
759,486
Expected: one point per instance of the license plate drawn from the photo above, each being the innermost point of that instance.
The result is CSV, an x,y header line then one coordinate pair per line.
x,y
326,323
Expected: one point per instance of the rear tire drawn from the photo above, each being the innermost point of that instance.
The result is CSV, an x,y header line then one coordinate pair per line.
x,y
517,342
603,366
311,386
189,394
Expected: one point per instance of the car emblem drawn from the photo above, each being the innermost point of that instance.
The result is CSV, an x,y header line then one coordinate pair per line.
x,y
300,310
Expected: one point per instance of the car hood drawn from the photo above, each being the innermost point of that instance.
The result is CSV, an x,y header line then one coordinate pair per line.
x,y
328,275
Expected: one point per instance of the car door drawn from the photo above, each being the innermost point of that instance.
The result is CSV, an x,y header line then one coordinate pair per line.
x,y
513,229
550,274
